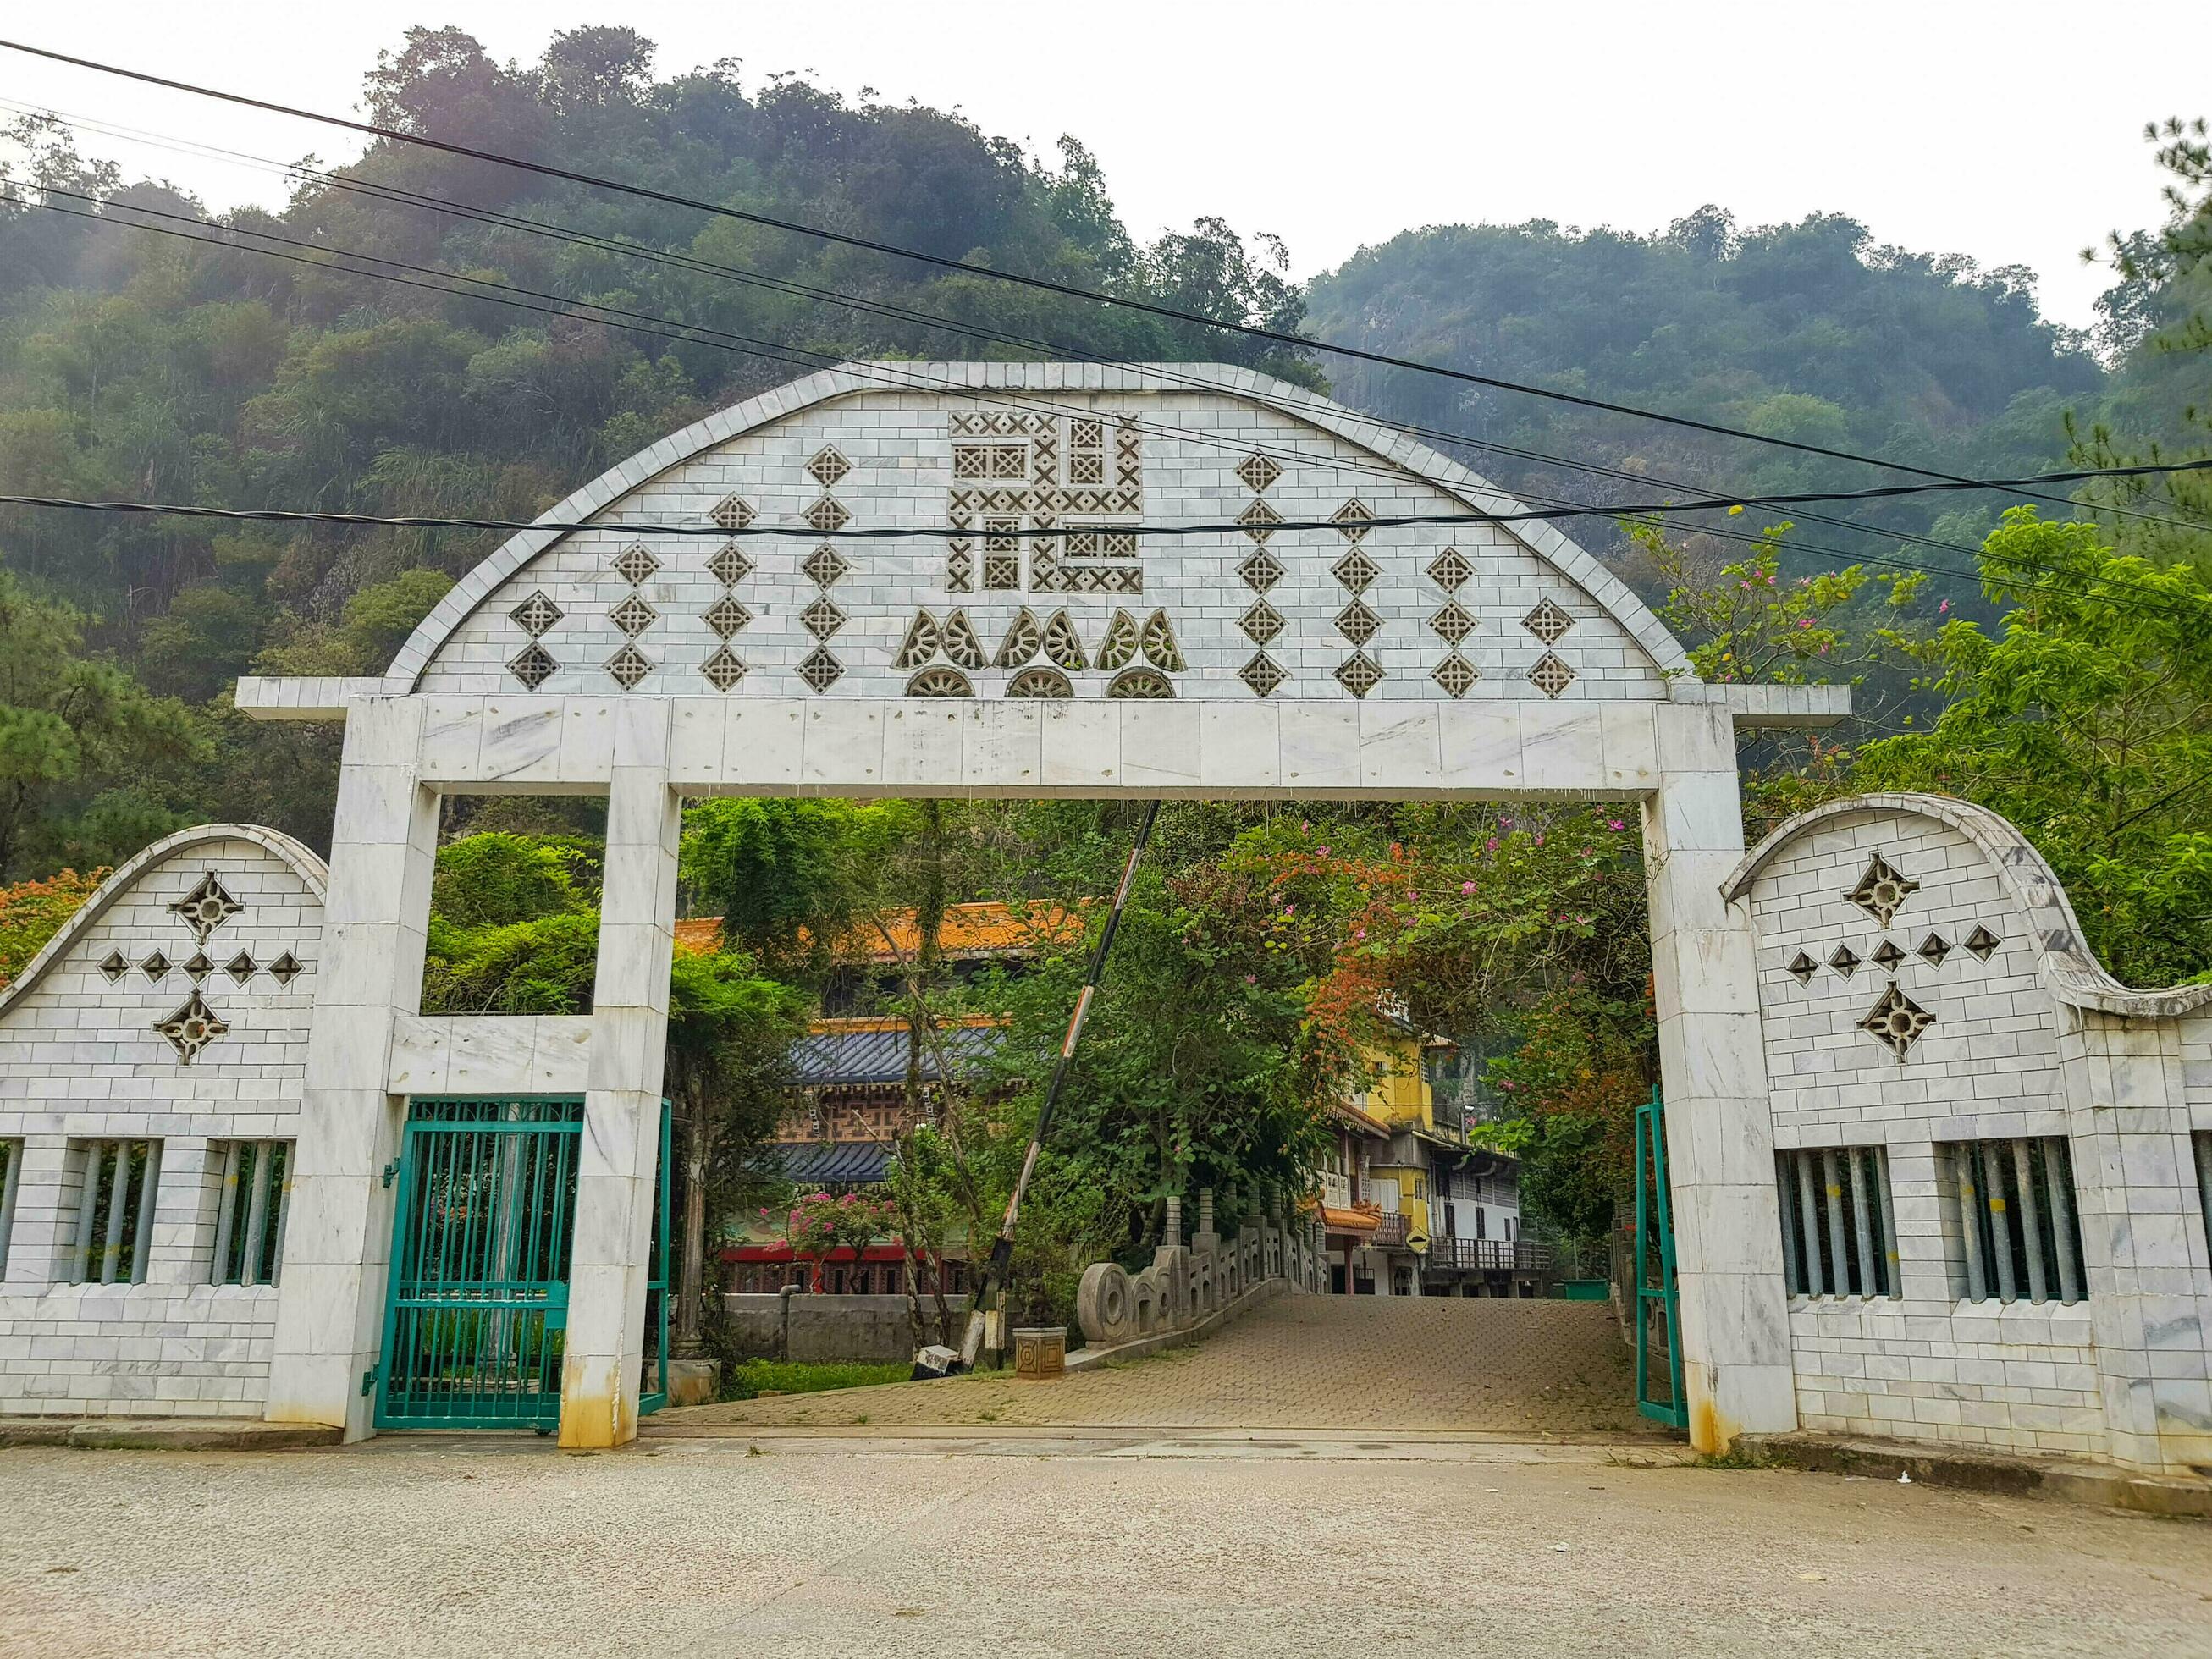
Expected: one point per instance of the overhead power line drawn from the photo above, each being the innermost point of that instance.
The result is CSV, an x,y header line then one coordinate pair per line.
x,y
395,196
1205,527
1067,290
888,375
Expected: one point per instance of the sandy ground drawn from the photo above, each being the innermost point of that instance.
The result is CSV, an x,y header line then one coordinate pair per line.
x,y
1037,1543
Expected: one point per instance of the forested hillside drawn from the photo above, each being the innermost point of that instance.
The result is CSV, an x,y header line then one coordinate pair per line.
x,y
136,364
138,360
1808,331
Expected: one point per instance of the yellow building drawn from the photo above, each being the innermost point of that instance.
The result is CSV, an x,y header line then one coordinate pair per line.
x,y
1408,1208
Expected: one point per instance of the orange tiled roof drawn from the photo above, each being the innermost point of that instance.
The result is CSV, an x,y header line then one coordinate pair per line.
x,y
833,1023
1359,1219
986,929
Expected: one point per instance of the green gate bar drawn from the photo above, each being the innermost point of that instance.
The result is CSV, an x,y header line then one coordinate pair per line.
x,y
656,1284
1654,1268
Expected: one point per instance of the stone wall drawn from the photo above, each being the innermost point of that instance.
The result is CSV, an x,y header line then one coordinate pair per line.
x,y
834,1327
84,1059
1922,984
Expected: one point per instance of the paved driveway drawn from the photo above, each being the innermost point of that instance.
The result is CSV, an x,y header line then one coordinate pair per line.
x,y
1523,1370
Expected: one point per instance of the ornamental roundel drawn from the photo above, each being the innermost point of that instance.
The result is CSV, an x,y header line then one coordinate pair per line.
x,y
206,908
1896,1022
1882,891
191,1028
1140,683
1044,682
939,681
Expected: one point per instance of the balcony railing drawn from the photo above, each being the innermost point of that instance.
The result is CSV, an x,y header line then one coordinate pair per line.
x,y
1391,1234
1506,1256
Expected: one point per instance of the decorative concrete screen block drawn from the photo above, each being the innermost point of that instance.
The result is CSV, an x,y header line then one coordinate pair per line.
x,y
2017,1238
119,1092
1040,480
1940,1042
1838,1230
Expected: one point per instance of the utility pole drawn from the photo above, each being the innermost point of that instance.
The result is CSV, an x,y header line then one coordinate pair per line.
x,y
941,1361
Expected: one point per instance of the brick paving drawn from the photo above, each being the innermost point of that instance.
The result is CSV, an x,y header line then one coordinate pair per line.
x,y
1526,1369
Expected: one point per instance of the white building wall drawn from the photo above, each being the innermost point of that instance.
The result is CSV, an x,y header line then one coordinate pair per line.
x,y
80,1061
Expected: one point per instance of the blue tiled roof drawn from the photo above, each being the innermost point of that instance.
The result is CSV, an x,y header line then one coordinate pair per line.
x,y
857,1162
830,1057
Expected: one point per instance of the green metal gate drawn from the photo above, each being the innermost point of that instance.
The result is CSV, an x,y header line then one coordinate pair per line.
x,y
478,1307
1657,1301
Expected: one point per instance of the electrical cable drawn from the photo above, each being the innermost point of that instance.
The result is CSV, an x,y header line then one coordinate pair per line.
x,y
1040,284
566,307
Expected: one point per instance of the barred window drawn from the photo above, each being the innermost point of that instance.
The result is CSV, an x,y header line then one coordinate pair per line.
x,y
117,1181
1838,1232
2012,1199
250,1214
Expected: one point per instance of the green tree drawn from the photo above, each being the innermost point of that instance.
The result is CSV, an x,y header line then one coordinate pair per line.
x,y
2086,720
69,720
730,1037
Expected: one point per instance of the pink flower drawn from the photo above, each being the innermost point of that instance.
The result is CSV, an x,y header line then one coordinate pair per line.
x,y
1804,621
1359,932
1251,979
1466,887
1324,851
1615,823
1539,838
1490,846
1943,608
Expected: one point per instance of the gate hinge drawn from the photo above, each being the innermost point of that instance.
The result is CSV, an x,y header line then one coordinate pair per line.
x,y
369,1382
391,1170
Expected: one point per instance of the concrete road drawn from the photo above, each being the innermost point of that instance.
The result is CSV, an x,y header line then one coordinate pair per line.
x,y
1041,1544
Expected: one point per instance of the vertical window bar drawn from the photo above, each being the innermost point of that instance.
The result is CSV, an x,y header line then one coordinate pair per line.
x,y
2031,1220
1808,1217
88,1205
1839,1278
1970,1218
118,1184
226,1213
1793,1267
257,1213
2065,1233
283,1179
11,1171
1995,1209
141,1235
1862,1233
1892,1282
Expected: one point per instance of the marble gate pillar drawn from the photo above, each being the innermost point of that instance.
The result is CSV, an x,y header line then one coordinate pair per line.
x,y
384,846
617,1169
1736,1367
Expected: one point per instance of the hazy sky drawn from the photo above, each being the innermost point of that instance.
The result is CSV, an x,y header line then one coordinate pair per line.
x,y
2007,132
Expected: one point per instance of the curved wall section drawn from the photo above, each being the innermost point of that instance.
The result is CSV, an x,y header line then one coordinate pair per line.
x,y
164,1025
